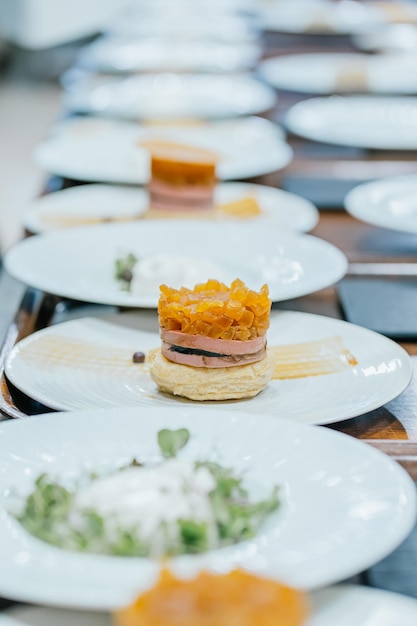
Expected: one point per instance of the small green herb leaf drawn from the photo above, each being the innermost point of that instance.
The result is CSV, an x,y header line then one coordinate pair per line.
x,y
193,535
171,441
124,269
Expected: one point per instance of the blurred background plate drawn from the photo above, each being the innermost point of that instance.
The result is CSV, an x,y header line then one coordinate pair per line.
x,y
101,150
327,73
389,203
83,259
86,204
167,95
379,122
391,38
130,54
320,17
185,7
227,28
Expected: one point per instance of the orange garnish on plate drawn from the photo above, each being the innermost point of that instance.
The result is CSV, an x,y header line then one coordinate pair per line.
x,y
235,599
243,208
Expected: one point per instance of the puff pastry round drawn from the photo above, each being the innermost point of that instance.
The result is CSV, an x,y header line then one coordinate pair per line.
x,y
200,383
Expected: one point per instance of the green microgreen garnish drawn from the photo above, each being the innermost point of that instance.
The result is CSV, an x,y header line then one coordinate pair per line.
x,y
171,441
51,514
124,270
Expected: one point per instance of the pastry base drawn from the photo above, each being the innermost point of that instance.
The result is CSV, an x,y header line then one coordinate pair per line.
x,y
204,384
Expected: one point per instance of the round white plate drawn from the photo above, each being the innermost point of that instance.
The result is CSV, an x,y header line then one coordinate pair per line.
x,y
168,95
343,605
85,204
64,367
100,150
79,263
390,203
327,73
130,54
379,122
398,12
344,504
320,17
400,38
184,8
227,28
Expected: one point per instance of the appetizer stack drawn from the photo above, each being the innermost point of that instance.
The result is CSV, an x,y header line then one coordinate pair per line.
x,y
213,341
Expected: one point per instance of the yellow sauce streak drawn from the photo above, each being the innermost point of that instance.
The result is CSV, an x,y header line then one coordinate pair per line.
x,y
313,358
244,208
69,221
49,352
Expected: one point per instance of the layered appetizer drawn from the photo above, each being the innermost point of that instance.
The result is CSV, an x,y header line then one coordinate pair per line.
x,y
213,341
182,184
234,599
165,508
182,178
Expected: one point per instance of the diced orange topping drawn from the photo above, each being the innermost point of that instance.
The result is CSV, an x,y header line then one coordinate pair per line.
x,y
214,310
235,599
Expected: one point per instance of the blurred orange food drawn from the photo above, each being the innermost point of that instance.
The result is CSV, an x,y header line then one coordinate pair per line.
x,y
234,599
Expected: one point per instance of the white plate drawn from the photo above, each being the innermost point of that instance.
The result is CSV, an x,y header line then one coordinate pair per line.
x,y
227,28
345,505
79,263
398,12
327,73
344,605
77,205
168,95
47,366
379,122
183,8
321,17
100,150
130,54
400,38
390,203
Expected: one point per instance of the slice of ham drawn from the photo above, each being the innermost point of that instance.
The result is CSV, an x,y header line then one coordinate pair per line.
x,y
219,346
215,361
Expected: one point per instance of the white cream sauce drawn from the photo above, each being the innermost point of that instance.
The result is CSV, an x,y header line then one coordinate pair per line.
x,y
175,271
145,497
